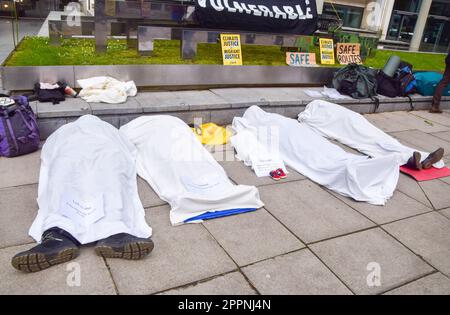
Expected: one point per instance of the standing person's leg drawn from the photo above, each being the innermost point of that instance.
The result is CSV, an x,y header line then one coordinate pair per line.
x,y
439,90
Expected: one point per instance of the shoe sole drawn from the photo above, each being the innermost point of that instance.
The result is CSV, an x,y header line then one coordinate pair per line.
x,y
37,262
131,251
438,155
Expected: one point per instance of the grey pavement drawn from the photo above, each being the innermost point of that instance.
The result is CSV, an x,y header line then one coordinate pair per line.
x,y
306,239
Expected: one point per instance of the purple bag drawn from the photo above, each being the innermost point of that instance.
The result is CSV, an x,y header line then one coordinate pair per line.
x,y
19,133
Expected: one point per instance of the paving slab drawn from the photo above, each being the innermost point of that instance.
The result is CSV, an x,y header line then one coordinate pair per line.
x,y
416,122
18,208
435,284
201,100
251,237
446,212
20,170
310,212
71,107
94,276
398,207
421,140
295,273
444,135
161,102
438,192
442,119
351,258
411,188
230,284
428,236
386,122
147,195
244,97
182,255
131,106
242,174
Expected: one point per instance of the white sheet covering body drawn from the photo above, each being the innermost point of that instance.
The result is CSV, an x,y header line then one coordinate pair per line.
x,y
262,158
363,179
352,129
106,90
182,172
88,162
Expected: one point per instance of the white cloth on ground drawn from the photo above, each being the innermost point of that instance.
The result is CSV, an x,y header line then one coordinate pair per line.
x,y
362,178
88,162
262,158
106,90
182,172
352,129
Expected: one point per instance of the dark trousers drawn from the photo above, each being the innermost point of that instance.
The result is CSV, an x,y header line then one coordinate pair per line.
x,y
441,87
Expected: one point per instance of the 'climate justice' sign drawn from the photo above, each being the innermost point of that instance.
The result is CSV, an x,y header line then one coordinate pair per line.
x,y
231,49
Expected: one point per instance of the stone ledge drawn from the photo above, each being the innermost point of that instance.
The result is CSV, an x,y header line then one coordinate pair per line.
x,y
216,105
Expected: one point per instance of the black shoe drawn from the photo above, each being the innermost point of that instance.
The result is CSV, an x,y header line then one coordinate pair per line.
x,y
57,246
124,246
414,162
434,157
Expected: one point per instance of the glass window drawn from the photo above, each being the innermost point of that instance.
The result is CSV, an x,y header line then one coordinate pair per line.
x,y
351,16
441,8
407,5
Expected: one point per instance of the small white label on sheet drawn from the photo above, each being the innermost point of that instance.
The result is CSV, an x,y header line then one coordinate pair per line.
x,y
263,167
83,212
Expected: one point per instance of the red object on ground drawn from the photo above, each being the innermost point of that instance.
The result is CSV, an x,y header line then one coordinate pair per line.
x,y
275,175
281,173
428,174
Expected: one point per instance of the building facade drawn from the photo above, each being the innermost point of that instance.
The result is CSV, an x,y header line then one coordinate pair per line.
x,y
416,25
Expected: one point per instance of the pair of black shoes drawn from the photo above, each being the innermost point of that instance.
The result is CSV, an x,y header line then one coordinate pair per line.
x,y
414,161
58,246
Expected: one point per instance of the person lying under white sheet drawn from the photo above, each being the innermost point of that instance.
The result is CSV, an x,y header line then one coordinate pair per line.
x,y
87,193
183,173
372,180
352,129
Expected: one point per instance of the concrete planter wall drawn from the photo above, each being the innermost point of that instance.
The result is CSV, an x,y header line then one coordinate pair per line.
x,y
169,76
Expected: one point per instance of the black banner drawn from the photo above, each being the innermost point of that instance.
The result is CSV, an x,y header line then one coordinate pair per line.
x,y
275,16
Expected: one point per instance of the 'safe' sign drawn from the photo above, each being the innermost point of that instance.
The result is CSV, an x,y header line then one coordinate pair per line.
x,y
348,53
297,59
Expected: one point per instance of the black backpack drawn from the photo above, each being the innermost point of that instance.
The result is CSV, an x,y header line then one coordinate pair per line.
x,y
55,95
387,86
356,81
402,84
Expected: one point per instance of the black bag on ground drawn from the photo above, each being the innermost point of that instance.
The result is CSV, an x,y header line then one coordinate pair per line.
x,y
356,81
402,83
387,86
55,95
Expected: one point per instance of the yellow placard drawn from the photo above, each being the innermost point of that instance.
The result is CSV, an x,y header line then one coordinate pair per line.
x,y
348,53
326,51
231,49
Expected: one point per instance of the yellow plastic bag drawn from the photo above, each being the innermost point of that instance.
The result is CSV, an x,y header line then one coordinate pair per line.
x,y
212,134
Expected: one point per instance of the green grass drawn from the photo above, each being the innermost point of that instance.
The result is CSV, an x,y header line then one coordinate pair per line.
x,y
36,51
